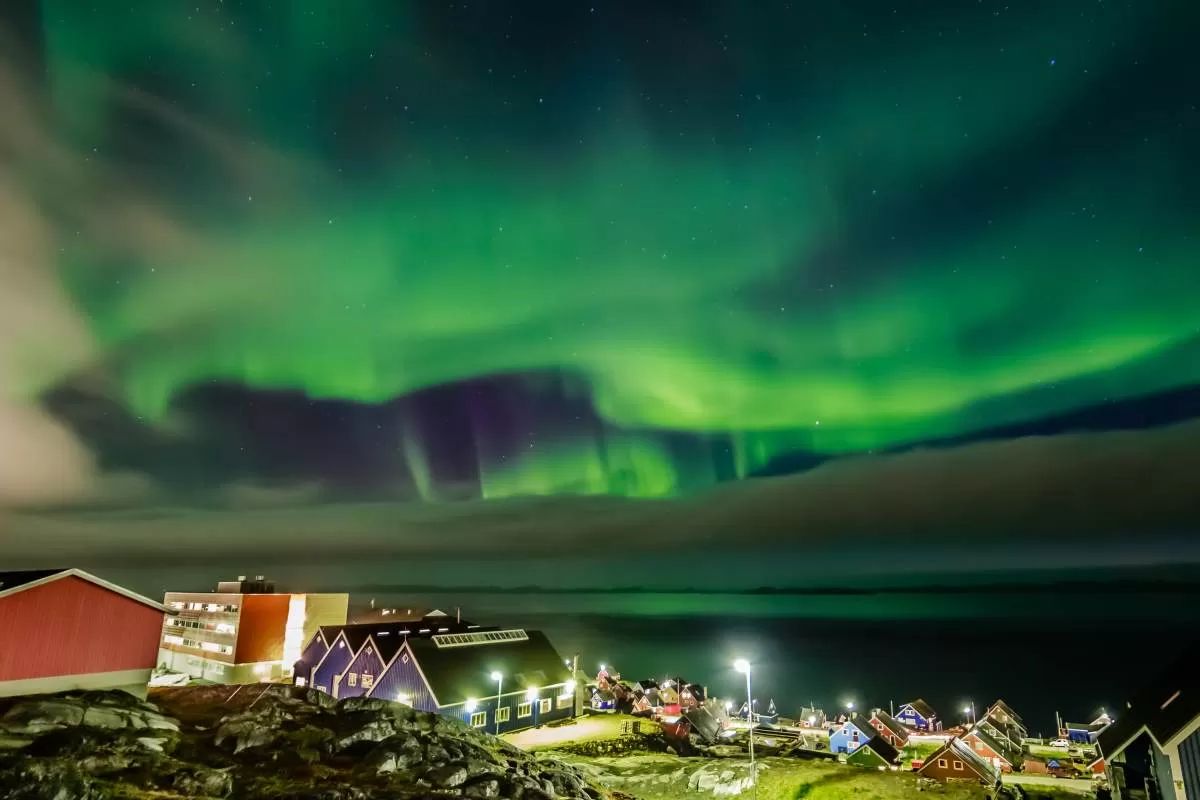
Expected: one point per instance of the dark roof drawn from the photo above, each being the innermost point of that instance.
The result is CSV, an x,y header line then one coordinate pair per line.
x,y
923,708
890,722
1004,748
11,580
1006,709
458,673
357,632
1164,707
1001,731
862,723
1091,727
956,749
883,748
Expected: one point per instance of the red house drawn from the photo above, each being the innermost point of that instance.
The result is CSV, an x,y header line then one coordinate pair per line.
x,y
66,629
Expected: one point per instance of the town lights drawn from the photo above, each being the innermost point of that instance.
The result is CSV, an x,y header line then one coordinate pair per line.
x,y
531,693
743,666
602,668
568,687
850,706
472,704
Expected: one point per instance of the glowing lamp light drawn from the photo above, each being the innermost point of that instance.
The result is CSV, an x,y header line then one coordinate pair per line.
x,y
568,687
728,705
472,704
742,665
602,668
812,720
967,710
496,675
531,693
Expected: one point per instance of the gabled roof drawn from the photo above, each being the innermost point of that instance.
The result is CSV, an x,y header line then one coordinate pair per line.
x,y
956,749
1000,747
1005,709
1164,708
456,674
881,747
891,723
862,723
19,581
1005,733
922,708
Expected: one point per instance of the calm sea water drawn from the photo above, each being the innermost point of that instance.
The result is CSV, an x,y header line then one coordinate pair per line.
x,y
1044,652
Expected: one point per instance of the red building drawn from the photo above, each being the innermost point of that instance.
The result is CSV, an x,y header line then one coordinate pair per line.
x,y
66,629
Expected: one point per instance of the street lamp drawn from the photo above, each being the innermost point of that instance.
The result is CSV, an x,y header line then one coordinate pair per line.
x,y
850,706
499,679
742,665
970,712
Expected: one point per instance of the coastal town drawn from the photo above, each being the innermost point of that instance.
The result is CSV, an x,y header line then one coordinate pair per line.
x,y
512,683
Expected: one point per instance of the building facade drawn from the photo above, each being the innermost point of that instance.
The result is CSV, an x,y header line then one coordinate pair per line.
x,y
877,753
68,629
1152,749
889,728
496,680
919,716
954,761
243,632
850,735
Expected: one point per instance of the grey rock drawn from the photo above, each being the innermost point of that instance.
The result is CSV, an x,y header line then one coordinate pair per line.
x,y
483,790
204,782
353,704
448,777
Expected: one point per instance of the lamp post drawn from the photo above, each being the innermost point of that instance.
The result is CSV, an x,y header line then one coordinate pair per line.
x,y
742,665
970,712
499,679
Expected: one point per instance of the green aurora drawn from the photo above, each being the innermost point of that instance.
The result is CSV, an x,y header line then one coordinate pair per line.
x,y
875,238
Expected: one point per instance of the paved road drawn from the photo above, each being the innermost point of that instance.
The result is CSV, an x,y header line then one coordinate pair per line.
x,y
598,726
1080,785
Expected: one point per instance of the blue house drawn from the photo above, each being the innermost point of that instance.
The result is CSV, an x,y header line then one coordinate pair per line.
x,y
451,674
1086,732
919,715
851,734
324,657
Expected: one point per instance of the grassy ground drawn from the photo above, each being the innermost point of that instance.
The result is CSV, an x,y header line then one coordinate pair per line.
x,y
919,751
668,778
590,728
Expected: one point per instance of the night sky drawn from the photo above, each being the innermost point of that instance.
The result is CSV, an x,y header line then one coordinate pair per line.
x,y
847,288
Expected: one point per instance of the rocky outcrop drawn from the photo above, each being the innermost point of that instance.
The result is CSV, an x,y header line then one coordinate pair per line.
x,y
271,744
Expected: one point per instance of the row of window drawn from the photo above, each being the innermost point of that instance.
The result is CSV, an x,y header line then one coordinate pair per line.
x,y
210,647
524,710
195,624
958,765
212,608
368,680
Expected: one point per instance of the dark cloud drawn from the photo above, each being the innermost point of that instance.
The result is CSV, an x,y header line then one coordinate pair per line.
x,y
1129,490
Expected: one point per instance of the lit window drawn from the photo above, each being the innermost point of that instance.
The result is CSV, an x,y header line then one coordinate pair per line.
x,y
502,714
565,700
958,765
301,682
352,679
525,710
544,705
479,719
211,647
368,680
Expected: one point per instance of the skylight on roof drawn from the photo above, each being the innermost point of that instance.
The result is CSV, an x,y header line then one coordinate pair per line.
x,y
479,637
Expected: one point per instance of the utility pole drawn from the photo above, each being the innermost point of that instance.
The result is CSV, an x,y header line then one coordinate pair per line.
x,y
578,688
891,708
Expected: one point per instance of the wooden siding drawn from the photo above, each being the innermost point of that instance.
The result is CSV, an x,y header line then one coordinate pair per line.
x,y
261,628
310,656
840,740
966,772
981,749
71,626
367,660
332,665
403,678
1189,764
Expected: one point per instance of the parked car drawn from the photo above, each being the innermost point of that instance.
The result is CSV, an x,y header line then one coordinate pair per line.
x,y
1061,744
1063,769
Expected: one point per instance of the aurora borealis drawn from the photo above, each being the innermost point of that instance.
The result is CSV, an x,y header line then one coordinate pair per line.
x,y
432,253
